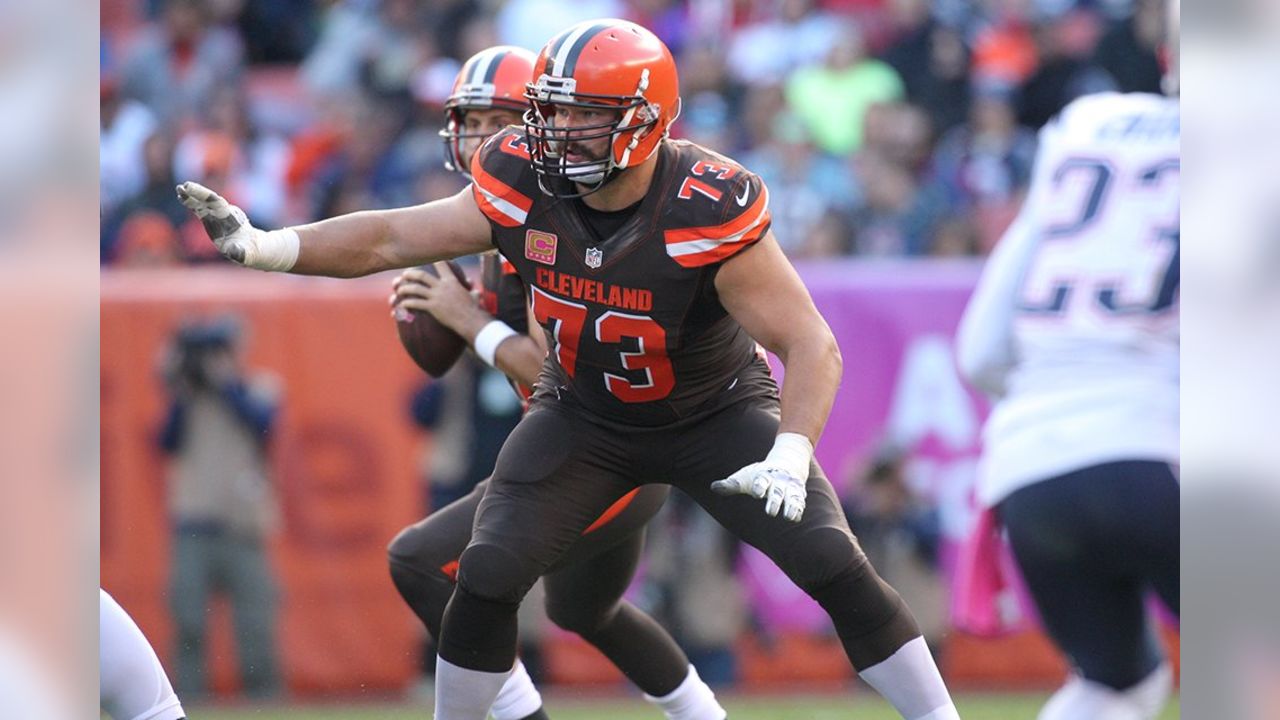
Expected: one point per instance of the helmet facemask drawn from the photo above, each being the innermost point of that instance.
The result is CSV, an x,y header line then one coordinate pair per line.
x,y
454,134
630,119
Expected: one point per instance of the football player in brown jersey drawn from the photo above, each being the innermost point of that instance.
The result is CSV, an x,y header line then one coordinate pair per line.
x,y
651,268
584,588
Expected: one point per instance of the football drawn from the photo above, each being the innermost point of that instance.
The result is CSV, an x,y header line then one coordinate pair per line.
x,y
434,347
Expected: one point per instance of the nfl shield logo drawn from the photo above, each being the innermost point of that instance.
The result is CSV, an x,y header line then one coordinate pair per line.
x,y
595,256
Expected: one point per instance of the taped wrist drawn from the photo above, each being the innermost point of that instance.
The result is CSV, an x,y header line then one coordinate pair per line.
x,y
791,452
276,250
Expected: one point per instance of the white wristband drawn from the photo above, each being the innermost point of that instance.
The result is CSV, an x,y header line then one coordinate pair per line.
x,y
791,452
276,250
489,338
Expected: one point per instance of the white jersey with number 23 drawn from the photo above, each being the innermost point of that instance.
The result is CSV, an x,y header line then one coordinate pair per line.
x,y
1074,325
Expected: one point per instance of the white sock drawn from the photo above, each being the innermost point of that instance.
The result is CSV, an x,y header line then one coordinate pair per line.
x,y
910,681
518,697
1081,699
692,700
463,694
1150,695
132,684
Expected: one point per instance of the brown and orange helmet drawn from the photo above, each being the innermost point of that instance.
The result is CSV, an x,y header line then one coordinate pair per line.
x,y
492,78
614,65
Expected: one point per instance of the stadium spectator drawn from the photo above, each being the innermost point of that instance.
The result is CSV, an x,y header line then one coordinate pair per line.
x,y
275,31
932,60
806,185
177,64
758,111
155,201
1128,50
832,98
899,132
898,215
349,30
703,72
1004,47
793,36
956,236
988,159
371,61
125,126
365,169
984,166
147,239
222,506
1066,71
444,17
255,162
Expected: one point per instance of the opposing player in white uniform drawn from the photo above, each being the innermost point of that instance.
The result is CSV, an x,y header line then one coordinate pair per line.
x,y
1074,327
133,685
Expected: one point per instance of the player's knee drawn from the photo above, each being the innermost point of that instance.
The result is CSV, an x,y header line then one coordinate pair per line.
x,y
406,546
860,587
494,573
828,553
424,579
416,548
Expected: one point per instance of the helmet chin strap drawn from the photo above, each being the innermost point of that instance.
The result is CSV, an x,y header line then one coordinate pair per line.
x,y
587,173
626,119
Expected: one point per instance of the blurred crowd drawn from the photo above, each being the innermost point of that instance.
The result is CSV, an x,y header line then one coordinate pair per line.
x,y
882,127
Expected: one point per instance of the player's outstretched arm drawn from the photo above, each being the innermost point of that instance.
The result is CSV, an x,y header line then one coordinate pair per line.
x,y
351,245
985,352
765,295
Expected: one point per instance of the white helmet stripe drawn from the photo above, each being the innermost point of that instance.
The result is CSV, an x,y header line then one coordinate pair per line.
x,y
483,61
562,57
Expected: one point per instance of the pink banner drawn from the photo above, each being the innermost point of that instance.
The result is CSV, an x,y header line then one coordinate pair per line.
x,y
895,323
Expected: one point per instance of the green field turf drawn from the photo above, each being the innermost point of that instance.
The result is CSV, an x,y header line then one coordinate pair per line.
x,y
564,707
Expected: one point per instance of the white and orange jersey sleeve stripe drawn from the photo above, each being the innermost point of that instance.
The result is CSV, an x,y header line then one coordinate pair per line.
x,y
695,247
500,202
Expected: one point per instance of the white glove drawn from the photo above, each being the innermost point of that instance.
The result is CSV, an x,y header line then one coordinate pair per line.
x,y
780,478
232,234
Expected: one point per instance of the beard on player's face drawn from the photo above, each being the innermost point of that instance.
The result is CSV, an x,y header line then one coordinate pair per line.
x,y
583,134
588,151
